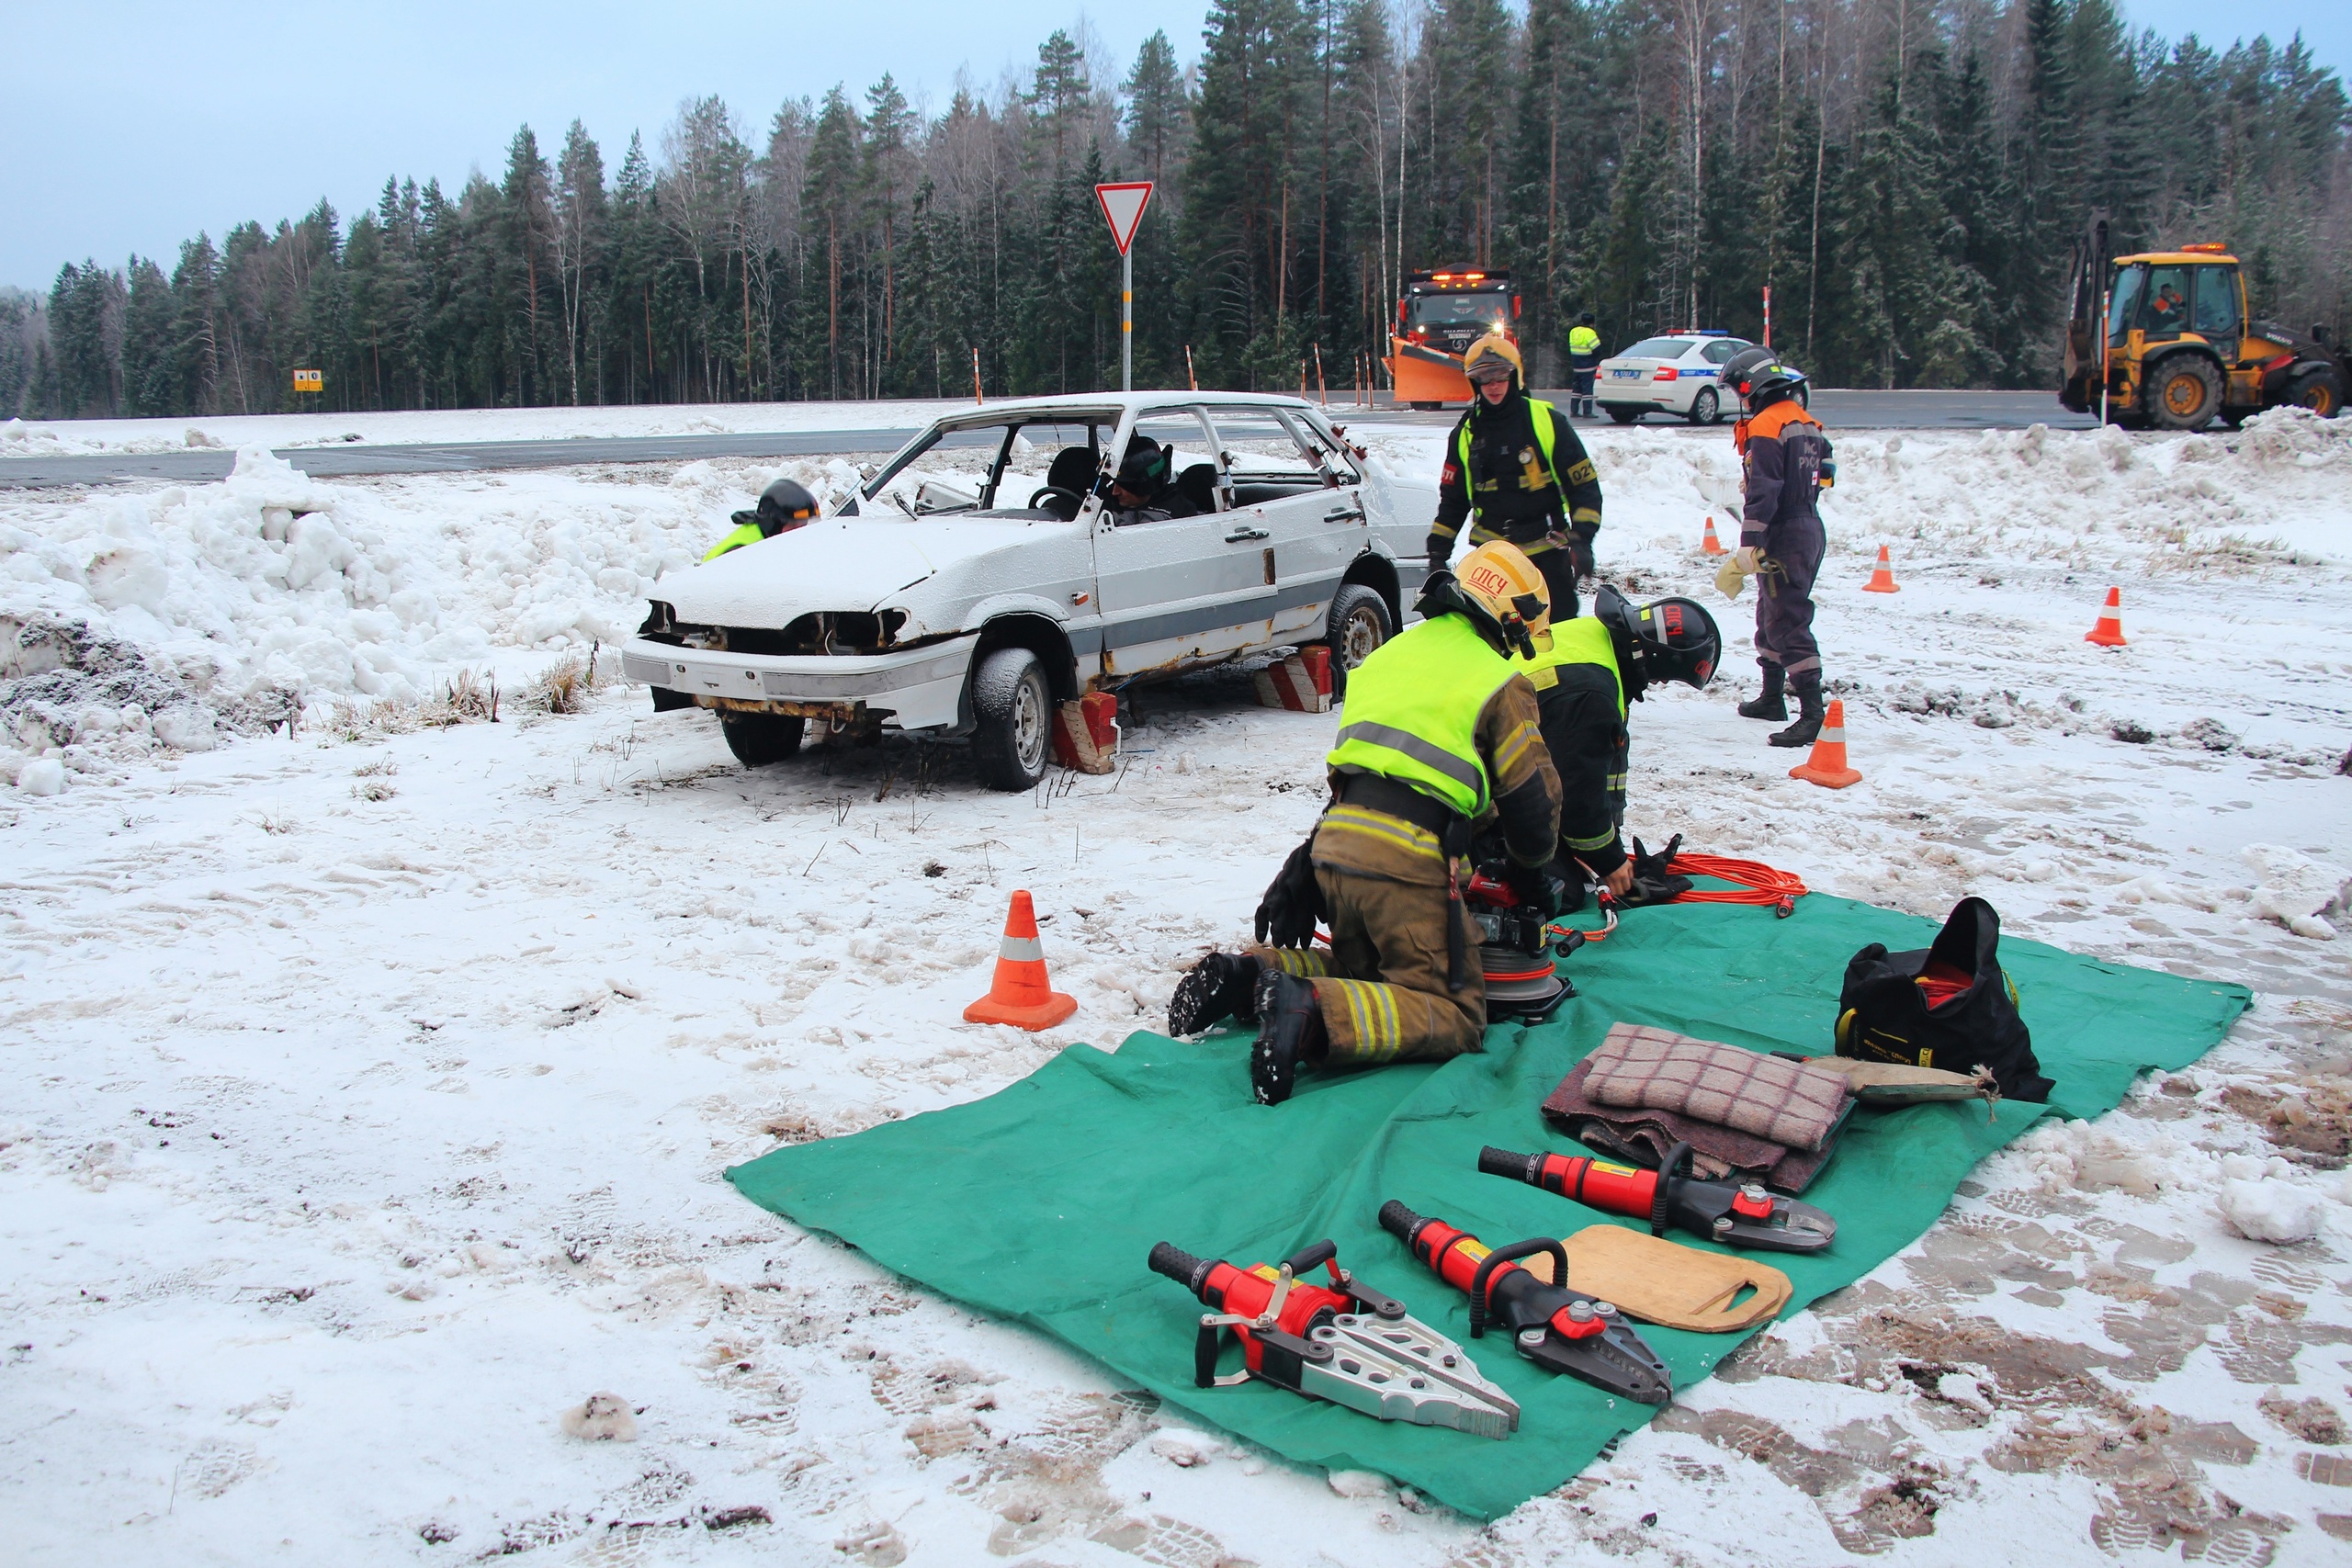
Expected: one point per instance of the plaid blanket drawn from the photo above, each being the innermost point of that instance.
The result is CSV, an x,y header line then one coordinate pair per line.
x,y
1794,1104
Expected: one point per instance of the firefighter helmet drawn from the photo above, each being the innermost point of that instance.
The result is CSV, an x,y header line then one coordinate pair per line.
x,y
1760,377
1673,639
1492,353
785,503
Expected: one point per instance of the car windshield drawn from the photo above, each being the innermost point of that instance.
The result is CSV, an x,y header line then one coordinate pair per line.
x,y
1478,312
1024,465
1658,348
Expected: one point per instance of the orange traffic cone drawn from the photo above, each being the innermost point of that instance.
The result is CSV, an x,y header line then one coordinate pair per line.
x,y
1711,545
1021,994
2108,633
1882,579
1826,766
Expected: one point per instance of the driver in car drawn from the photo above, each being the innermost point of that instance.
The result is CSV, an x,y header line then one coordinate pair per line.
x,y
1146,483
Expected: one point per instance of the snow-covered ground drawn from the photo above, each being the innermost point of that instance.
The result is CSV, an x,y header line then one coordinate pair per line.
x,y
84,437
372,1076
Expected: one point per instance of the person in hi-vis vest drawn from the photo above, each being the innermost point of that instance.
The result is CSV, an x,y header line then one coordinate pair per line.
x,y
1516,465
1584,359
1440,732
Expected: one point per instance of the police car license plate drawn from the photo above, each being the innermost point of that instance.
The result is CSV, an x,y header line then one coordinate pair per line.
x,y
1623,374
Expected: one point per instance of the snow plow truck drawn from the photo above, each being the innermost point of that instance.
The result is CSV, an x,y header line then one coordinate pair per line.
x,y
1440,316
2168,337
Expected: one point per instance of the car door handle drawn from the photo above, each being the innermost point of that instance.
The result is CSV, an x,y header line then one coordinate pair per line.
x,y
1246,531
1344,515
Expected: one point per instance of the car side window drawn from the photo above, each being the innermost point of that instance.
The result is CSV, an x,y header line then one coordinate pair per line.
x,y
1187,440
1720,351
1262,455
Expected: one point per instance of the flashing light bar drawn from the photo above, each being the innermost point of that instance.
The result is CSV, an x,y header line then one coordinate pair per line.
x,y
2207,248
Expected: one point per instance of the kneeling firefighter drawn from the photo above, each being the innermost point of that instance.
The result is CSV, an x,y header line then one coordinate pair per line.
x,y
1585,671
1441,731
783,506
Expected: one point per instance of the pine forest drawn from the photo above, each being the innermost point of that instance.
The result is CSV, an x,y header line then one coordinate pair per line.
x,y
1906,176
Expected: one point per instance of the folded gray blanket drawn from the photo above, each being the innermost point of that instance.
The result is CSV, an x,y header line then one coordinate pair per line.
x,y
1795,1104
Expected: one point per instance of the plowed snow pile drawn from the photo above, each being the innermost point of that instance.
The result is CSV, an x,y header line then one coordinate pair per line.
x,y
369,1081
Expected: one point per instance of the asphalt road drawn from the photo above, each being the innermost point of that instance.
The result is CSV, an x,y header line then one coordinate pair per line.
x,y
1840,410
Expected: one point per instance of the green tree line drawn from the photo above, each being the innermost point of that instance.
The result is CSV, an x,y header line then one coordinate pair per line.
x,y
1903,175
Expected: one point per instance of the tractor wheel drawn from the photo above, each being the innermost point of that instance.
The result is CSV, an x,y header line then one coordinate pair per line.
x,y
2316,388
2184,393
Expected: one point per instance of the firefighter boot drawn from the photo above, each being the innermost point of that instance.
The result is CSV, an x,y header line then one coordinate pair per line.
x,y
1290,1034
1222,985
1807,728
1768,703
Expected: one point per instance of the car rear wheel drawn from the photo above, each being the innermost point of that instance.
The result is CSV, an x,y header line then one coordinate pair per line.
x,y
2184,393
1623,415
1706,408
1013,712
1358,624
2317,388
760,738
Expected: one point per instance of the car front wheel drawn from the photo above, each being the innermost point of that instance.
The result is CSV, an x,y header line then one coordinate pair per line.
x,y
1013,712
760,738
1357,626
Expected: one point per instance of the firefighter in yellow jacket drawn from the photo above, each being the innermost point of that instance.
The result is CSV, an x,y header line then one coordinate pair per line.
x,y
1441,733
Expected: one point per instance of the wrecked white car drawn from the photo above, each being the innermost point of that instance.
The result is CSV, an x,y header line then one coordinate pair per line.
x,y
989,571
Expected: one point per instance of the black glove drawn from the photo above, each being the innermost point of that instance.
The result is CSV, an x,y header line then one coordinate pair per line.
x,y
1580,551
1654,882
1538,888
1292,902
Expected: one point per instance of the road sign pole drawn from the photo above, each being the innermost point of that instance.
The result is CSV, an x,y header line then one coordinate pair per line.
x,y
1122,203
1127,320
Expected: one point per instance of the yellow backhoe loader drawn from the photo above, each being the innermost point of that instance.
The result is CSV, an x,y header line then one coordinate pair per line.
x,y
2165,339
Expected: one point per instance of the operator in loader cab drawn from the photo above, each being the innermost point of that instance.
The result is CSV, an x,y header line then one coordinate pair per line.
x,y
785,505
1515,463
1441,731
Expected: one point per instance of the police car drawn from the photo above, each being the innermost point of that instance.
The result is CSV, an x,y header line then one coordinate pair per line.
x,y
1673,373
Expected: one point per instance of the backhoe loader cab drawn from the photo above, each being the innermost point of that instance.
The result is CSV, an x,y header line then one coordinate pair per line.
x,y
2167,336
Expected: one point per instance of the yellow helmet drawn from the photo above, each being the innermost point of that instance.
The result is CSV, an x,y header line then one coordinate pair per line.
x,y
1507,585
1494,345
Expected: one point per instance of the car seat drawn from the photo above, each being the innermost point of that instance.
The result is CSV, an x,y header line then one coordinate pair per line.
x,y
1073,469
1197,484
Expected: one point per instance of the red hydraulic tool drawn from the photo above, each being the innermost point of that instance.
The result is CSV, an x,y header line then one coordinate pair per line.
x,y
1742,1215
1560,1329
1345,1342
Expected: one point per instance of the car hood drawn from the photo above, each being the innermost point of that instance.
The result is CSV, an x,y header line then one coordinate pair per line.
x,y
837,564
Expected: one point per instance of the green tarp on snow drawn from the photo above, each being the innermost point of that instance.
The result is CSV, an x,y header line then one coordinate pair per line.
x,y
1040,1203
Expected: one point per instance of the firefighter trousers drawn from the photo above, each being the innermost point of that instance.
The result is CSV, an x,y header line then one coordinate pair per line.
x,y
1784,579
1382,984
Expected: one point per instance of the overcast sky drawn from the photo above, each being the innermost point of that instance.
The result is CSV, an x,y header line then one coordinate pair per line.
x,y
129,126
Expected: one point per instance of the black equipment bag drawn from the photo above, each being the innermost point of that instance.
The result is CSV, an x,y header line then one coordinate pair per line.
x,y
1885,1016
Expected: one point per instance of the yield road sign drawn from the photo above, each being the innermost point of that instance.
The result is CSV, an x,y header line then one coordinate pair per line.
x,y
1123,208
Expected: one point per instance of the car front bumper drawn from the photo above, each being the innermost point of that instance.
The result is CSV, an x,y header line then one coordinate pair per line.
x,y
920,688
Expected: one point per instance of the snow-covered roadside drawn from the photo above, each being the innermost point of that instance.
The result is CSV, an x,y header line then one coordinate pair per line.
x,y
20,438
372,1087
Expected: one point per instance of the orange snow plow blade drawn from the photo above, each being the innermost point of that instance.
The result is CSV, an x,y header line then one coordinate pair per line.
x,y
1423,375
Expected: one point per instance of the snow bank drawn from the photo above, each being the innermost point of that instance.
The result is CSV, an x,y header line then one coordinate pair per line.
x,y
168,618
2297,891
2271,1210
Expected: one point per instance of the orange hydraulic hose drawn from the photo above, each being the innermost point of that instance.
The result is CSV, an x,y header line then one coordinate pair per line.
x,y
1759,883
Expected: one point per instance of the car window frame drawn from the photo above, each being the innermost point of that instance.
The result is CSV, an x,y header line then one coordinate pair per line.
x,y
1221,495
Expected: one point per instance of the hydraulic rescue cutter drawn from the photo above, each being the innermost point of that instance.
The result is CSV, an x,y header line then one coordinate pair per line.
x,y
1344,1342
1744,1215
1560,1329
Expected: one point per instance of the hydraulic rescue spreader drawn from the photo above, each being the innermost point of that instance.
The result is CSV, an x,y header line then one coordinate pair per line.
x,y
1344,1342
